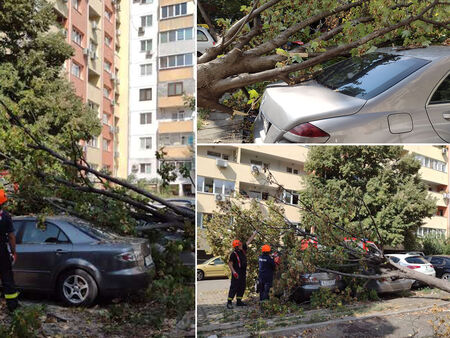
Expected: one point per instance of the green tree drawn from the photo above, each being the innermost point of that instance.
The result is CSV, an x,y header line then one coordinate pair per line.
x,y
252,50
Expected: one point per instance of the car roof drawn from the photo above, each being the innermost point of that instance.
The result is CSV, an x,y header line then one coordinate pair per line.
x,y
431,53
49,218
403,255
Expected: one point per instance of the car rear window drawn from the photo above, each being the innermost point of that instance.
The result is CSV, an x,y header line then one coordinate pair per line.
x,y
369,75
416,260
91,231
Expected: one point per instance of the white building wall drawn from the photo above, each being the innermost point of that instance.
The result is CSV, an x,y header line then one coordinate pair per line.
x,y
137,82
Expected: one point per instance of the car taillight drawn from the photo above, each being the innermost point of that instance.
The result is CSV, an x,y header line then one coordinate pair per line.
x,y
338,277
413,266
127,257
309,279
308,130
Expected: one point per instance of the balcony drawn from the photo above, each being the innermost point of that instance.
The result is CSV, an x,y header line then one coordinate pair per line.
x,y
178,153
170,101
440,202
176,127
61,6
94,94
433,176
436,222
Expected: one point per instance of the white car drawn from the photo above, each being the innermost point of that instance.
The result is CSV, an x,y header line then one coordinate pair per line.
x,y
204,40
415,262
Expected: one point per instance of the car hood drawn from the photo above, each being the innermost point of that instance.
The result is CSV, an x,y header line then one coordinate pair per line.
x,y
288,106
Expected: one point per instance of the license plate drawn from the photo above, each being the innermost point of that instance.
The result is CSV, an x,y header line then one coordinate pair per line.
x,y
327,282
148,260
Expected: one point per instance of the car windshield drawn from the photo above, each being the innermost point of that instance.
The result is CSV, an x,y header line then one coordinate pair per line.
x,y
369,75
87,228
416,260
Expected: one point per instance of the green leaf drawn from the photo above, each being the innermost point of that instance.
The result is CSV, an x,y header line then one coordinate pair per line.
x,y
371,49
406,33
282,52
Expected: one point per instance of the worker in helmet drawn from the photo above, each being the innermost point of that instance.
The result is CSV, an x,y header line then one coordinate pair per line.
x,y
238,267
266,270
7,257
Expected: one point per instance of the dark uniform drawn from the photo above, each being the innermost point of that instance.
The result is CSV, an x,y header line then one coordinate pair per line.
x,y
6,274
266,270
237,287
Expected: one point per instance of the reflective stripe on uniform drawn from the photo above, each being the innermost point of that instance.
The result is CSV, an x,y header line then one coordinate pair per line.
x,y
238,297
229,298
11,295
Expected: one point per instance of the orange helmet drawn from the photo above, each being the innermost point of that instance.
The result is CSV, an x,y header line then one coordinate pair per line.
x,y
266,248
3,197
236,243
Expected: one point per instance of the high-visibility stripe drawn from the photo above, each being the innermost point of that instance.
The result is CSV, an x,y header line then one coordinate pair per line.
x,y
11,295
229,298
238,297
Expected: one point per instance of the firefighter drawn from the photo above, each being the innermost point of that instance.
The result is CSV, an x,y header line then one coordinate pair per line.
x,y
7,257
266,270
238,267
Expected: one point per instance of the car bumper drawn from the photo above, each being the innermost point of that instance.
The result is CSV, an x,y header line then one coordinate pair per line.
x,y
125,281
390,286
304,292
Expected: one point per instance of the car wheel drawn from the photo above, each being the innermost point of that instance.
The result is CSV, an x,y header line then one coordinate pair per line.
x,y
200,275
77,288
446,276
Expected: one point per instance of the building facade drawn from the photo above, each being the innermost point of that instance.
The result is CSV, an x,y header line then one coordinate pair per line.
x,y
161,78
92,29
224,170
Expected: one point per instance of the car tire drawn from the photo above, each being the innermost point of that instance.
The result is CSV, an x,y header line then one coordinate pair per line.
x,y
200,275
77,288
446,276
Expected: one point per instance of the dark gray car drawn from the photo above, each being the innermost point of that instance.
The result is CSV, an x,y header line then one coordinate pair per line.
x,y
67,256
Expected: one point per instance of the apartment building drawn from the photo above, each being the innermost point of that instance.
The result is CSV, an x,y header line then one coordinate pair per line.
x,y
223,170
161,75
92,29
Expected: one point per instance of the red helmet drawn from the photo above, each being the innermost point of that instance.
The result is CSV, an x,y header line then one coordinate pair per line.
x,y
236,243
3,197
265,248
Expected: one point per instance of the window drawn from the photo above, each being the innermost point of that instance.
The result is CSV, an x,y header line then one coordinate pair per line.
x,y
93,49
296,171
108,66
369,75
290,197
202,219
76,5
175,89
76,70
146,142
146,21
51,234
105,118
146,118
210,185
145,94
431,163
174,10
201,36
77,36
181,60
176,35
146,69
93,142
146,45
442,93
106,144
108,40
145,168
107,92
214,154
93,106
144,2
289,170
108,14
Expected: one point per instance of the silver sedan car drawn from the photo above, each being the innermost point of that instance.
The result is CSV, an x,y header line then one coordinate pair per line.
x,y
389,96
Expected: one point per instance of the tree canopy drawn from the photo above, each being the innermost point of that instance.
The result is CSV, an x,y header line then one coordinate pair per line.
x,y
253,49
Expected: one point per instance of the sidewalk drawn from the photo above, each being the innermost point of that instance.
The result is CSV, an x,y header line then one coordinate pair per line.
x,y
221,128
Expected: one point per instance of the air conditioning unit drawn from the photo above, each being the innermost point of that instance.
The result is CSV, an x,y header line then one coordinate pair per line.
x,y
141,31
86,51
255,169
134,168
149,54
219,197
444,151
221,163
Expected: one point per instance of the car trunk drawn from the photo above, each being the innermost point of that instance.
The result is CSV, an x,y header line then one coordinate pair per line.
x,y
288,106
141,248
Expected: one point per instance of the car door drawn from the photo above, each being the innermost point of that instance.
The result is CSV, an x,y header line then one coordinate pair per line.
x,y
216,267
438,264
438,108
203,42
39,251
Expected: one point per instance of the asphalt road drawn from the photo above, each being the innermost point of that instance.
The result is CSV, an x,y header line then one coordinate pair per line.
x,y
212,291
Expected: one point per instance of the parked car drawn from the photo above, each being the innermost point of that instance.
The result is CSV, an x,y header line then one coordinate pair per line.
x,y
390,285
204,40
311,282
441,264
415,262
389,96
213,267
68,257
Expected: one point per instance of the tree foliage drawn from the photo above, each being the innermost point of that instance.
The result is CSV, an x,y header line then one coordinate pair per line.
x,y
253,49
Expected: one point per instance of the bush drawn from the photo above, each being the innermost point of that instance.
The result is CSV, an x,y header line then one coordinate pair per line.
x,y
432,245
25,323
